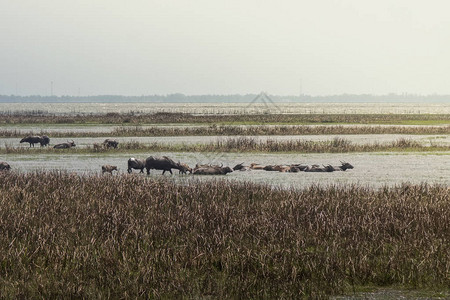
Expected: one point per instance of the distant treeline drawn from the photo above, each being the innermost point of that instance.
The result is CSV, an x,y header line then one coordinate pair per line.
x,y
234,98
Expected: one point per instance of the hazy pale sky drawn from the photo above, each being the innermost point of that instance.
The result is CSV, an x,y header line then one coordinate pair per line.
x,y
224,47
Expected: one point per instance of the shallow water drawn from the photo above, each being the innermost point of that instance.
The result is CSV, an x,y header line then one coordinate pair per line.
x,y
427,140
232,108
372,169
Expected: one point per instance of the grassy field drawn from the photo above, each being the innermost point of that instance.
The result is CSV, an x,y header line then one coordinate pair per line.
x,y
70,236
249,119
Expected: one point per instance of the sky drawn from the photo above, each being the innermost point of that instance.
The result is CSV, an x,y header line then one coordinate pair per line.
x,y
283,47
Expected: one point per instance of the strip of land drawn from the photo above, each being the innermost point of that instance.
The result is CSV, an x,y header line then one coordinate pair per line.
x,y
238,119
245,144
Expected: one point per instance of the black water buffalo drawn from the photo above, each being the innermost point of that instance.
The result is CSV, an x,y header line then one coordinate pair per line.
x,y
241,167
161,163
65,145
344,166
279,168
35,139
4,166
109,169
317,168
45,140
213,171
134,163
110,143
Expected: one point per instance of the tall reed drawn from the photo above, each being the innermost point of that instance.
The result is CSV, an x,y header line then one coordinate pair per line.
x,y
71,236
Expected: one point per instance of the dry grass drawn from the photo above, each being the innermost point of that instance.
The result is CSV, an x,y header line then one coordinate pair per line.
x,y
69,236
164,118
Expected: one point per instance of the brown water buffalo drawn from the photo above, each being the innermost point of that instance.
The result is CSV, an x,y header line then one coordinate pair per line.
x,y
108,143
109,169
185,169
213,171
4,166
255,166
65,145
134,163
35,139
161,163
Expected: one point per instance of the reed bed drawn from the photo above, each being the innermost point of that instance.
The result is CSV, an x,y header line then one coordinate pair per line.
x,y
164,118
246,144
71,236
232,130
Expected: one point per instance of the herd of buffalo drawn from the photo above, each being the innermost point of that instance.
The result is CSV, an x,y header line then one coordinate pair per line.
x,y
167,164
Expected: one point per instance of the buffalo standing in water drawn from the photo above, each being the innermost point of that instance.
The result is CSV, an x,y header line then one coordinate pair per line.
x,y
109,169
35,139
134,163
110,143
65,145
4,166
162,163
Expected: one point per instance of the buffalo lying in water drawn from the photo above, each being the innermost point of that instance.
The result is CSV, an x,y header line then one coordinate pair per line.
x,y
162,163
134,163
4,166
212,170
65,145
36,139
241,167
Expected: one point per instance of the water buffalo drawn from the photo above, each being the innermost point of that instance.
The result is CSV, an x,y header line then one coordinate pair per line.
x,y
109,169
213,171
65,145
4,166
35,139
278,168
255,166
45,140
134,163
161,163
317,168
241,167
110,143
344,166
198,166
185,169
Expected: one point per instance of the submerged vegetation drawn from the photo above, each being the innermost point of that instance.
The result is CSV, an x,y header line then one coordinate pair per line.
x,y
247,144
183,118
65,235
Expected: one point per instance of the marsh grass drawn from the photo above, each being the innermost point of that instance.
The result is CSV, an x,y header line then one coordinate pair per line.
x,y
247,144
232,130
71,236
176,118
